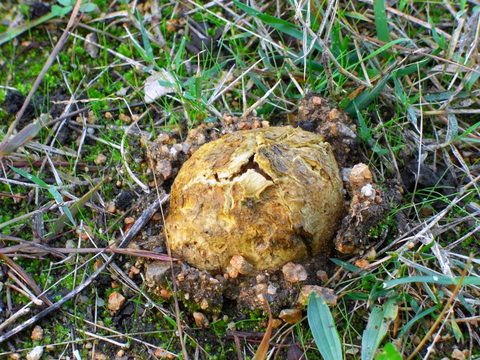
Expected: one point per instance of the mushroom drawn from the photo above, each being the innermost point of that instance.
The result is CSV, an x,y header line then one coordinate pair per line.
x,y
270,195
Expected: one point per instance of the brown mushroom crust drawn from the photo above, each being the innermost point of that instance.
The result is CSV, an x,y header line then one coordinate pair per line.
x,y
271,195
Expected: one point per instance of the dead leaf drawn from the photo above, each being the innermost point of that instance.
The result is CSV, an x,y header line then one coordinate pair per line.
x,y
159,84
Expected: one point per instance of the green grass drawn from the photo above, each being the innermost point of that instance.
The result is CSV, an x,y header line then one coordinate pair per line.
x,y
405,76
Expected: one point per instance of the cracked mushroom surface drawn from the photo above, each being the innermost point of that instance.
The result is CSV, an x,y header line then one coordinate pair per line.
x,y
271,195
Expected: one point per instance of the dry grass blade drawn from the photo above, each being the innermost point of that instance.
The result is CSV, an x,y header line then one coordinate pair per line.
x,y
262,350
440,318
26,277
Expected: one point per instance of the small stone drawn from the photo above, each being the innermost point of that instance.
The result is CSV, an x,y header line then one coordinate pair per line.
x,y
157,273
276,323
368,191
458,355
37,333
110,207
120,353
322,275
272,290
334,114
231,272
165,293
204,304
15,356
294,273
352,351
115,301
125,118
362,263
85,233
371,254
129,220
291,316
360,176
260,278
91,118
200,319
98,355
36,353
163,354
261,289
327,294
157,217
241,264
165,168
100,159
133,271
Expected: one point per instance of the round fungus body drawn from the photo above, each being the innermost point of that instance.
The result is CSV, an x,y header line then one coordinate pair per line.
x,y
270,195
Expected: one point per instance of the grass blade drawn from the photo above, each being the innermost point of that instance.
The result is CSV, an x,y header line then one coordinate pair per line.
x,y
13,33
323,328
30,177
73,210
21,138
381,24
377,327
51,189
436,279
389,353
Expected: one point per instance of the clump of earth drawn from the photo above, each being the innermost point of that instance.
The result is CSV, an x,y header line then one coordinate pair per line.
x,y
255,214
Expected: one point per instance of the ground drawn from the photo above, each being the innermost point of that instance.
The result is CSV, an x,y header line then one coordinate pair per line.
x,y
127,92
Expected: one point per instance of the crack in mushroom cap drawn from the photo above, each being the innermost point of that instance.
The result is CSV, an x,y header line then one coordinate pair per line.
x,y
271,195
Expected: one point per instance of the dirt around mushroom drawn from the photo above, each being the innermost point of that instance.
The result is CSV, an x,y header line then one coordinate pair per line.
x,y
233,286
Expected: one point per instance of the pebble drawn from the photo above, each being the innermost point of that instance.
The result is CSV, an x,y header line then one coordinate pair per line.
x,y
129,220
110,207
37,333
360,176
261,289
157,273
162,354
272,290
322,275
458,355
291,316
327,294
241,264
36,353
231,272
200,319
115,301
98,355
294,273
100,159
362,263
204,304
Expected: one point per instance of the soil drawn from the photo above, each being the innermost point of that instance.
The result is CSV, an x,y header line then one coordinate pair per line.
x,y
368,204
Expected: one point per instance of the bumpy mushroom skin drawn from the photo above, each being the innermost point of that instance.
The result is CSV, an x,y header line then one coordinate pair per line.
x,y
271,195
